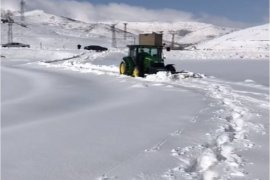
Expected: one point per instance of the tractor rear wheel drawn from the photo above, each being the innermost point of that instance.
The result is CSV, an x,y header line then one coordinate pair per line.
x,y
123,68
136,72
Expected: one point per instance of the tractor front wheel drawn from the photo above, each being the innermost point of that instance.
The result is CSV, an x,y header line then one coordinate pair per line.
x,y
123,68
136,72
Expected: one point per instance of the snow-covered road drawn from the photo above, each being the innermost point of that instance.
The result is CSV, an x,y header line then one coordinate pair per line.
x,y
55,122
61,124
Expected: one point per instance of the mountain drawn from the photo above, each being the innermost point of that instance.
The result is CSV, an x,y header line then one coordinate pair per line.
x,y
41,27
185,32
250,43
47,31
254,38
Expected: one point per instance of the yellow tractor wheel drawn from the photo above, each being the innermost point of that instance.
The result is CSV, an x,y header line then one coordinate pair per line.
x,y
136,72
123,68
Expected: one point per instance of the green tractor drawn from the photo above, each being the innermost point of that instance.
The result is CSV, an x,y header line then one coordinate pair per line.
x,y
144,59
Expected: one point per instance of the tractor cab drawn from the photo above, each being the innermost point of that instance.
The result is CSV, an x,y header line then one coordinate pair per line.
x,y
146,58
151,51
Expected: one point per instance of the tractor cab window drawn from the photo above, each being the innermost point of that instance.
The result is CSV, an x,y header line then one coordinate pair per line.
x,y
132,53
155,52
145,51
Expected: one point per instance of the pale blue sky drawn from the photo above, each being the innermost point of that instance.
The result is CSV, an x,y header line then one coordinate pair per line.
x,y
235,13
247,11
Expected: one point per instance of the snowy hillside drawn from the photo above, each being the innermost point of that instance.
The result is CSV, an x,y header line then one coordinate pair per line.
x,y
53,32
40,23
250,43
47,31
185,32
255,38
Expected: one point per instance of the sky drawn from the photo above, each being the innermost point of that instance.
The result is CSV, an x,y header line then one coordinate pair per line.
x,y
240,10
234,13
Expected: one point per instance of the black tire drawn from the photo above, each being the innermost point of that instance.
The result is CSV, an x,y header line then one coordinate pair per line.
x,y
170,68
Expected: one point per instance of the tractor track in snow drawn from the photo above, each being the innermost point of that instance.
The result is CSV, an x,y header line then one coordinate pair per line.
x,y
218,158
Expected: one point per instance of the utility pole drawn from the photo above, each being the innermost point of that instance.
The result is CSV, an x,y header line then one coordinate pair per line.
x,y
113,35
22,9
134,40
125,31
173,38
10,32
10,22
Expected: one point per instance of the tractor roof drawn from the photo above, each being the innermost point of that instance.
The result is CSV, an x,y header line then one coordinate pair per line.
x,y
143,46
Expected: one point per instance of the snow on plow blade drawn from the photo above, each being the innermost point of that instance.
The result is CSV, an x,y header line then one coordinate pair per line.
x,y
168,76
188,74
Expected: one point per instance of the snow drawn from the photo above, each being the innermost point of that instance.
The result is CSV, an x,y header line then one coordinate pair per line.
x,y
41,24
194,32
68,114
243,39
209,41
250,43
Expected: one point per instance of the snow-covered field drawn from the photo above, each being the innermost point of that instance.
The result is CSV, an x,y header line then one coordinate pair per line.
x,y
81,120
68,114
